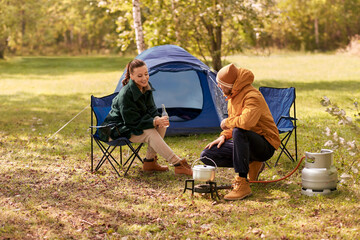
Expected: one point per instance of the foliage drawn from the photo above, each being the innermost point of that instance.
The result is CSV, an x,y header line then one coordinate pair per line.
x,y
338,142
205,28
48,191
299,22
208,29
49,26
353,48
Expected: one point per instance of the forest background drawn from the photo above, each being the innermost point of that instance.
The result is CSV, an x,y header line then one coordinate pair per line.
x,y
208,29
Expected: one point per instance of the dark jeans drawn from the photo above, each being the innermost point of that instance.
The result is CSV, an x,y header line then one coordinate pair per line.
x,y
245,147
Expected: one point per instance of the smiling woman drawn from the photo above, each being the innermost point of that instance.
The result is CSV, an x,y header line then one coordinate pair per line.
x,y
140,76
134,115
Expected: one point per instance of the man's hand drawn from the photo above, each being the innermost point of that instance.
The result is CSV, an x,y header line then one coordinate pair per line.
x,y
222,124
219,141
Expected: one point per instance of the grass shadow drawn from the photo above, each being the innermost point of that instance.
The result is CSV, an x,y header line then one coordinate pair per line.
x,y
336,85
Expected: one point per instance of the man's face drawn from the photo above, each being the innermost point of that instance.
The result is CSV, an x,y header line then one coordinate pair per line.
x,y
226,90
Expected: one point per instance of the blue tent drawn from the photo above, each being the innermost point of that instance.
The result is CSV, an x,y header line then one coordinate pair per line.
x,y
187,87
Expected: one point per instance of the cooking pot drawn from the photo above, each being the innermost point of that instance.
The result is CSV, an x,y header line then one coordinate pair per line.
x,y
204,172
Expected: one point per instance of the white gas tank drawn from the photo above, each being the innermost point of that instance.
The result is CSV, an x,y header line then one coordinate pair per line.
x,y
319,175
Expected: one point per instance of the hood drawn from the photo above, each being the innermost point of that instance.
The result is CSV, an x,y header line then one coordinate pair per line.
x,y
244,78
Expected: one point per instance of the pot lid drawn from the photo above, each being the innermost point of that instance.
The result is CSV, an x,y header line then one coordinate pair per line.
x,y
204,167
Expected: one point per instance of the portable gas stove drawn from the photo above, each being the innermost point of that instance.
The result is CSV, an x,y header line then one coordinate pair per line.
x,y
208,187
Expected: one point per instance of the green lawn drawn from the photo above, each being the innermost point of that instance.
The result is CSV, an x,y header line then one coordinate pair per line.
x,y
47,189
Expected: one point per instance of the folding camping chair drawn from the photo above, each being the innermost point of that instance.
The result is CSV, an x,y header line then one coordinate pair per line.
x,y
100,107
280,101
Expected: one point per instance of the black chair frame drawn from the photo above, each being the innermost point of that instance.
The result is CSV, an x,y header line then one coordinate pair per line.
x,y
107,148
286,138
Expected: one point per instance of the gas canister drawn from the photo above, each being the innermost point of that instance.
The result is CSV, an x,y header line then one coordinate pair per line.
x,y
319,175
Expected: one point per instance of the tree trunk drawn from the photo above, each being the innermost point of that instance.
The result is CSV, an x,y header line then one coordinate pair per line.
x,y
2,52
140,43
316,26
23,28
216,49
3,46
215,33
176,22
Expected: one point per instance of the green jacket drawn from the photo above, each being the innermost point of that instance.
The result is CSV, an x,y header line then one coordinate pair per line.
x,y
132,111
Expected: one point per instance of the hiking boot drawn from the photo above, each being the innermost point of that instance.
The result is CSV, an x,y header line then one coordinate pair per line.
x,y
255,168
183,167
151,165
241,189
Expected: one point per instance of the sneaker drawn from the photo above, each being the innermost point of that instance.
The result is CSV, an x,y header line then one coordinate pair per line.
x,y
241,189
151,165
255,168
183,167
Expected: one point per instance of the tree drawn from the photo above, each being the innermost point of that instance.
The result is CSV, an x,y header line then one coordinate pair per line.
x,y
213,28
315,24
138,26
196,25
51,26
4,27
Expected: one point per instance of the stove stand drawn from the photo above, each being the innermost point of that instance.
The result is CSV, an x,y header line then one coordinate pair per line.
x,y
209,187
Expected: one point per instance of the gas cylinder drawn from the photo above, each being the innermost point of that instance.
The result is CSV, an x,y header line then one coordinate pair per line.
x,y
319,176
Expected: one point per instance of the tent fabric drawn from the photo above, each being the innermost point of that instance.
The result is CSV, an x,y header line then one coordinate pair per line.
x,y
187,87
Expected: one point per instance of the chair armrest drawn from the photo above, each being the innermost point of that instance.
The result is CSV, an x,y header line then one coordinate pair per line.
x,y
104,126
286,118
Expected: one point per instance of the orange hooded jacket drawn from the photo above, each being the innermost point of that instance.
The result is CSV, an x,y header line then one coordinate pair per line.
x,y
248,110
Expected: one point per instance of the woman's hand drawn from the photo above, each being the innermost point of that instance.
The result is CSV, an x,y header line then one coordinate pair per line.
x,y
162,122
219,141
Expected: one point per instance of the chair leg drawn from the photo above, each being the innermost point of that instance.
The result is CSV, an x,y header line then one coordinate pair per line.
x,y
267,164
92,141
296,150
121,162
103,158
134,155
284,149
134,152
114,168
107,156
92,153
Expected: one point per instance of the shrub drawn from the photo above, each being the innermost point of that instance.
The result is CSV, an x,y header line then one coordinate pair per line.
x,y
350,170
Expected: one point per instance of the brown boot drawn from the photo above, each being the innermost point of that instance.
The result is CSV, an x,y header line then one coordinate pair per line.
x,y
151,165
255,168
183,168
241,189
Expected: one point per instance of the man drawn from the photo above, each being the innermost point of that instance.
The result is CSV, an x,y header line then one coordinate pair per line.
x,y
251,127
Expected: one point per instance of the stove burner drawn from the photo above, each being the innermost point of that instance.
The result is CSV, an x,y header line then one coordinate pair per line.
x,y
209,187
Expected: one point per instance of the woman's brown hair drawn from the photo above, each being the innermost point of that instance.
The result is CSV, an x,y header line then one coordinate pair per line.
x,y
135,63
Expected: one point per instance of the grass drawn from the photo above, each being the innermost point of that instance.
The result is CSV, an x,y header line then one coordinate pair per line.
x,y
48,192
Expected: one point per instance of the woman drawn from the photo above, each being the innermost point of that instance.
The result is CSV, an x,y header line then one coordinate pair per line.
x,y
137,118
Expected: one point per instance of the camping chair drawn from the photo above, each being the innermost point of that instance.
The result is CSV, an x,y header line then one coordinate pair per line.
x,y
100,107
280,101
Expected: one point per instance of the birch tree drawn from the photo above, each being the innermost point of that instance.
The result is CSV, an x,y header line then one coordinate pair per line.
x,y
139,35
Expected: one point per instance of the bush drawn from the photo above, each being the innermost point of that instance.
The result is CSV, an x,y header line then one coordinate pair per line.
x,y
350,170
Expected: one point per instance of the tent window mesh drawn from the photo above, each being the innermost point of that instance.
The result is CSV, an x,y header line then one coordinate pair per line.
x,y
181,93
